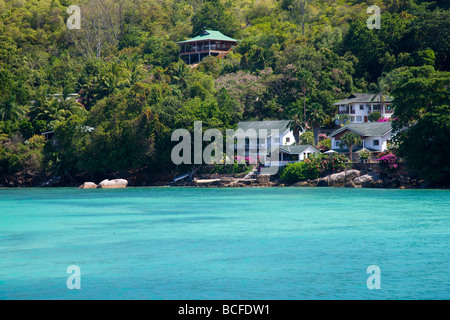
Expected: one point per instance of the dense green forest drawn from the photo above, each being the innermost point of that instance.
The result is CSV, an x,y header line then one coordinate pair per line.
x,y
134,90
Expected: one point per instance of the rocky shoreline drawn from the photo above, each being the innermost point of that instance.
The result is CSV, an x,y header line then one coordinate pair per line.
x,y
348,179
366,177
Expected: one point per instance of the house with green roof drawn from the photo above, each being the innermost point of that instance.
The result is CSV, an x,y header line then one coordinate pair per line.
x,y
295,153
360,105
208,43
375,136
276,133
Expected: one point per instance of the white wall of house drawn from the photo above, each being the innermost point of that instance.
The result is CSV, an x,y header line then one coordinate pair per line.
x,y
301,157
378,143
334,143
287,138
361,110
304,155
252,145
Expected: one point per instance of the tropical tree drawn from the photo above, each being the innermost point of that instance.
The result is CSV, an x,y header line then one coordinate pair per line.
x,y
316,117
10,110
422,113
55,108
350,139
296,126
306,83
381,91
374,116
307,138
342,119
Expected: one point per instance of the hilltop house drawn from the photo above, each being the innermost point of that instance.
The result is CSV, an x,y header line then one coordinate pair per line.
x,y
278,131
360,105
374,135
208,43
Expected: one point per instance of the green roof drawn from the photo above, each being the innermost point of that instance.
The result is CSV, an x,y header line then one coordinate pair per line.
x,y
363,98
280,125
210,35
296,149
368,129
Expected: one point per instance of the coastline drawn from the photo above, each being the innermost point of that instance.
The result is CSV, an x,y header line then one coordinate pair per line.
x,y
358,176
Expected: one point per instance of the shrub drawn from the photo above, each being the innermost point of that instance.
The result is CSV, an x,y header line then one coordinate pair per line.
x,y
364,155
307,138
298,171
328,163
324,145
374,116
388,161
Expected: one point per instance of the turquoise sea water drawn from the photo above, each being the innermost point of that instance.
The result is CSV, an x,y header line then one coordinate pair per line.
x,y
243,243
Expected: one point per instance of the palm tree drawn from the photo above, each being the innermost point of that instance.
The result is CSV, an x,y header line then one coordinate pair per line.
x,y
381,90
342,119
316,118
350,139
306,83
10,110
53,109
296,126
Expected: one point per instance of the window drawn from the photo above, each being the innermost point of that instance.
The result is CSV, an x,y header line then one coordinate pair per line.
x,y
288,139
352,119
358,118
336,143
376,142
361,107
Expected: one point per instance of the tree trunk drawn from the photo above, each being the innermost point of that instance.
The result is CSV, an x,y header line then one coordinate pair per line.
x,y
304,105
296,133
316,130
350,151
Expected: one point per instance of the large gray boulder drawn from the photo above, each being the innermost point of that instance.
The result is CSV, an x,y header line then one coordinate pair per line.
x,y
323,182
303,184
112,184
364,180
338,179
88,185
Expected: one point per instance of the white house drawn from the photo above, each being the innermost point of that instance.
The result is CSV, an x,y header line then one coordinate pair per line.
x,y
295,153
360,105
374,135
279,132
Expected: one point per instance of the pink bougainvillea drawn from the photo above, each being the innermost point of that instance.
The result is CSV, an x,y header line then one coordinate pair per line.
x,y
389,161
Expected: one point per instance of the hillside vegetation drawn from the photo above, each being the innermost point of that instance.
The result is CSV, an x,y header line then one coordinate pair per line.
x,y
294,58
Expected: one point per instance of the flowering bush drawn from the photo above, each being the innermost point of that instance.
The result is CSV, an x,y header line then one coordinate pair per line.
x,y
384,120
364,155
246,160
324,145
389,161
311,167
328,163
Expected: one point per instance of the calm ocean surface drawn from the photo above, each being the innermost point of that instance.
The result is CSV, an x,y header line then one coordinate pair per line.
x,y
243,243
